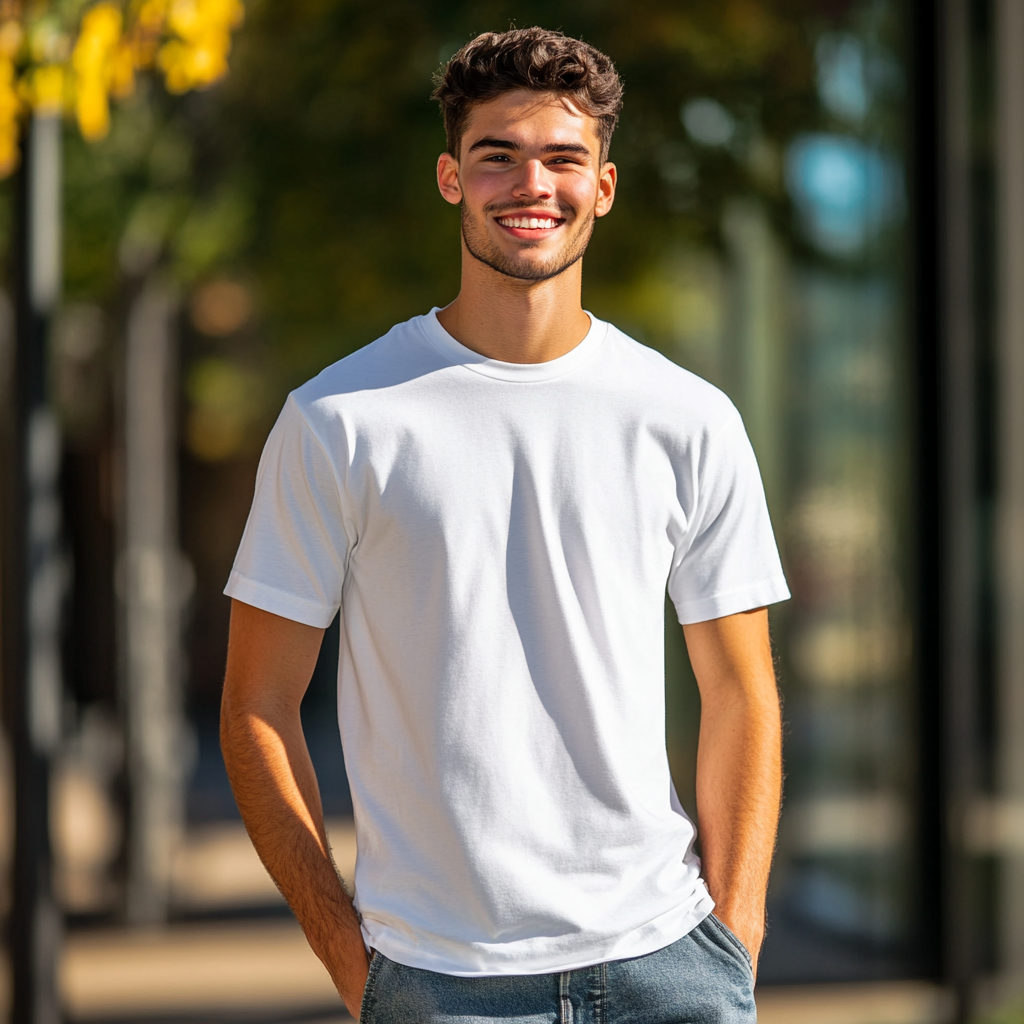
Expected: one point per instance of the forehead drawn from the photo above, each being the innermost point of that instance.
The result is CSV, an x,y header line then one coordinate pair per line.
x,y
530,118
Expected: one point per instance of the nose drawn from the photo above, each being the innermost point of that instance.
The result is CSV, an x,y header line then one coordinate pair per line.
x,y
534,181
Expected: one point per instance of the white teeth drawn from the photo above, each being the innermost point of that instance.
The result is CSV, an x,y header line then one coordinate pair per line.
x,y
527,222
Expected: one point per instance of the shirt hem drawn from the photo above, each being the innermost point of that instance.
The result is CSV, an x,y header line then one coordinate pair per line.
x,y
278,602
767,592
617,949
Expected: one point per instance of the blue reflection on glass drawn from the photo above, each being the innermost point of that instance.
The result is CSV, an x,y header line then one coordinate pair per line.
x,y
842,75
844,192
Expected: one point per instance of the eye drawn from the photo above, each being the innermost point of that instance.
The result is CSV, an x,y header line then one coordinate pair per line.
x,y
497,158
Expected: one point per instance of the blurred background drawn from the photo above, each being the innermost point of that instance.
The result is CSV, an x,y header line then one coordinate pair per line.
x,y
821,210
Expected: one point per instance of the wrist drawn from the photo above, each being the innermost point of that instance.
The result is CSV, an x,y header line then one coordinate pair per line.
x,y
351,983
746,924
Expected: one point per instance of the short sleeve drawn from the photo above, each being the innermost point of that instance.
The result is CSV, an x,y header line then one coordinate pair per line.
x,y
293,554
726,559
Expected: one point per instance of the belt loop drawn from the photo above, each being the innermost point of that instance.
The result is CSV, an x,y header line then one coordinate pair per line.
x,y
565,1003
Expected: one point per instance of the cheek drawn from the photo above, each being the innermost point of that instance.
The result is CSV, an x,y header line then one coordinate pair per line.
x,y
581,195
479,191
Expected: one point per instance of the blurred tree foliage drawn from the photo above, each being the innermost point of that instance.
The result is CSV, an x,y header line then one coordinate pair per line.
x,y
309,172
59,57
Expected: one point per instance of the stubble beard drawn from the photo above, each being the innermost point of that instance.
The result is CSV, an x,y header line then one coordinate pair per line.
x,y
488,253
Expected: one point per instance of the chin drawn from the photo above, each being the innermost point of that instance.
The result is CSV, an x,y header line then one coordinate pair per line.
x,y
532,274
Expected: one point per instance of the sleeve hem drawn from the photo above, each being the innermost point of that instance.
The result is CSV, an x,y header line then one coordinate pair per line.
x,y
756,595
278,602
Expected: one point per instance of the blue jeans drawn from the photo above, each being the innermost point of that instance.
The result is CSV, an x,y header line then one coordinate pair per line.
x,y
704,978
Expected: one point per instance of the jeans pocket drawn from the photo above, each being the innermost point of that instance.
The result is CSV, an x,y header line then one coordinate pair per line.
x,y
730,941
376,964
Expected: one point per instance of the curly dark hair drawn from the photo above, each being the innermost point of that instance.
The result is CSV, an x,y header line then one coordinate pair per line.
x,y
528,58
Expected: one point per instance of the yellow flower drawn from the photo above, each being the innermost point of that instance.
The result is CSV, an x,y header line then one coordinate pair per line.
x,y
188,39
99,34
199,55
92,108
147,24
122,71
93,61
46,89
10,109
150,15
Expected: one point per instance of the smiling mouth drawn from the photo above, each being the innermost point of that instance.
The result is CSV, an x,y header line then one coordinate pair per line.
x,y
530,223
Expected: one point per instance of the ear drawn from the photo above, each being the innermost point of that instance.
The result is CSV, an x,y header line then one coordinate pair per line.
x,y
606,190
448,178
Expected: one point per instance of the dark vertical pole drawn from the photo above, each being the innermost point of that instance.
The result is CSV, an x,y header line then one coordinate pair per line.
x,y
958,615
1009,47
34,585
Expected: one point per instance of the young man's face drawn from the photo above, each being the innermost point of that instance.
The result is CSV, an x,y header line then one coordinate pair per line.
x,y
530,182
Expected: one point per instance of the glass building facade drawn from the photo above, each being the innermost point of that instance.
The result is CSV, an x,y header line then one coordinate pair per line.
x,y
867,319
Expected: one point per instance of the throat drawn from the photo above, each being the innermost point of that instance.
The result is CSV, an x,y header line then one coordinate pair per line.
x,y
516,325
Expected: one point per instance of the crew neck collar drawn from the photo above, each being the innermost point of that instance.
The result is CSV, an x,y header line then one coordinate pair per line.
x,y
459,355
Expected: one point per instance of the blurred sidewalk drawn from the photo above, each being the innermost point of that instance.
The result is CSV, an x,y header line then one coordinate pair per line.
x,y
264,972
259,969
248,961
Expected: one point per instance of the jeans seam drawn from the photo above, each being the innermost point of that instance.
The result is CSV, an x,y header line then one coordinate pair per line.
x,y
565,1003
371,979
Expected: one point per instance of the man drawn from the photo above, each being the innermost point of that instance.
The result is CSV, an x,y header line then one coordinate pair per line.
x,y
496,495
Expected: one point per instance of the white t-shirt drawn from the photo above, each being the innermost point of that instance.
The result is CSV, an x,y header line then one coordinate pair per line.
x,y
499,537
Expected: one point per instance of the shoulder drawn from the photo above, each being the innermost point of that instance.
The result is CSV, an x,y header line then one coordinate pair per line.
x,y
390,362
670,390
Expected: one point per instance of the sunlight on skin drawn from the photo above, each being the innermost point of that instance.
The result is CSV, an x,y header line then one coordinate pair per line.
x,y
269,739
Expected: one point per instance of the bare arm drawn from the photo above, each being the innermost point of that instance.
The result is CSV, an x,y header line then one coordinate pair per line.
x,y
270,662
739,766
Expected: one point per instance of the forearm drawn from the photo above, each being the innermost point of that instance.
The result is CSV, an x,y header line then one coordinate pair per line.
x,y
739,784
276,790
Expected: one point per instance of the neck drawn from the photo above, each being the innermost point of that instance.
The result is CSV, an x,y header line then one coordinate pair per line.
x,y
516,321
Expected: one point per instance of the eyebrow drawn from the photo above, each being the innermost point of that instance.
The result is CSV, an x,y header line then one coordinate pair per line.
x,y
552,147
